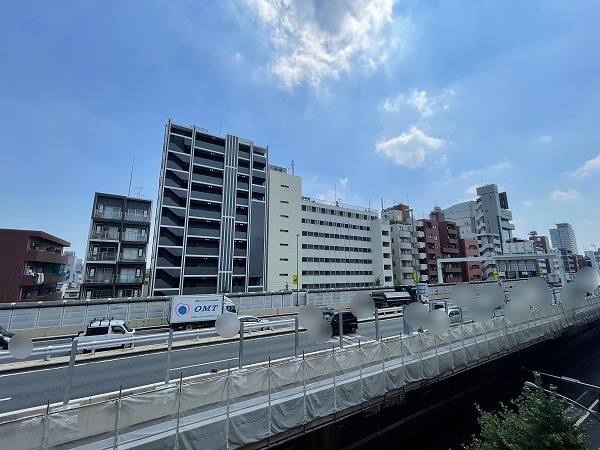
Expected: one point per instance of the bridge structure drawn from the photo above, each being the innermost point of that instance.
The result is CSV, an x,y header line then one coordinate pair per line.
x,y
51,318
262,404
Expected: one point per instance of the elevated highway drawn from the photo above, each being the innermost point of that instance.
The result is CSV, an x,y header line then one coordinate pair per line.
x,y
267,402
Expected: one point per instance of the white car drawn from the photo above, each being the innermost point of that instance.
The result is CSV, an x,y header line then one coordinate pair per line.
x,y
252,323
104,332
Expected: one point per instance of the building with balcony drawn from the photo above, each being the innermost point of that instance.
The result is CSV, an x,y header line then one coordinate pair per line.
x,y
471,270
563,236
408,247
210,230
117,247
31,266
489,219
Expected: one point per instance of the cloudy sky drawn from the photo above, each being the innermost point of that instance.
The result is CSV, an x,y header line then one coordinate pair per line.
x,y
376,101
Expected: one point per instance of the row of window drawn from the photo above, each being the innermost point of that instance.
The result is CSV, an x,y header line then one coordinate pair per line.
x,y
337,272
336,236
340,213
334,285
336,224
336,260
335,248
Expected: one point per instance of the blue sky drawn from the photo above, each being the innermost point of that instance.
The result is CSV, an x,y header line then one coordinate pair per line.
x,y
375,101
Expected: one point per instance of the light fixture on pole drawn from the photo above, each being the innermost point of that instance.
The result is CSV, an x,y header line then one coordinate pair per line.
x,y
533,387
297,269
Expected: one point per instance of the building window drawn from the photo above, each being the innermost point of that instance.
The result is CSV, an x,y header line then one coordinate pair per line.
x,y
283,259
283,245
283,231
285,202
285,186
287,217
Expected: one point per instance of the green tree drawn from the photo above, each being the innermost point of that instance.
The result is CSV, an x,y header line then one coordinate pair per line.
x,y
537,420
377,282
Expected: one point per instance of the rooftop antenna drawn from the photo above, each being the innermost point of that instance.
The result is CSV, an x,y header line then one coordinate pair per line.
x,y
292,167
219,126
382,203
139,191
130,177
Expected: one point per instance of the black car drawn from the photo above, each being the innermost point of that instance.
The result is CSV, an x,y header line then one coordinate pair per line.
x,y
4,338
349,321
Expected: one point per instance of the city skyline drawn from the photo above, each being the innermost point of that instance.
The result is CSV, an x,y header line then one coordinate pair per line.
x,y
376,102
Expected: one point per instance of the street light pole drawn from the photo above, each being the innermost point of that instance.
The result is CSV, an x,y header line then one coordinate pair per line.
x,y
533,387
297,269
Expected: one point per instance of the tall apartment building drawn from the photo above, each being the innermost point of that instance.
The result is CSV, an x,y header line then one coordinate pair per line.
x,y
343,246
409,258
117,247
32,264
441,239
563,236
210,232
471,270
488,218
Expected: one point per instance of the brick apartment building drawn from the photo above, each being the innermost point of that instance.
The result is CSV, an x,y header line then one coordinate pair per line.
x,y
32,264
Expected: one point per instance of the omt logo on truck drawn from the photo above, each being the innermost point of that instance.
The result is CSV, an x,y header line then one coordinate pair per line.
x,y
182,309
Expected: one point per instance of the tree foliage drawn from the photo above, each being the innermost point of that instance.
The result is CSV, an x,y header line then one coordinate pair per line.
x,y
537,420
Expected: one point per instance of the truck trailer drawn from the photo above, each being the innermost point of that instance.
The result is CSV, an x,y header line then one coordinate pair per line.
x,y
197,311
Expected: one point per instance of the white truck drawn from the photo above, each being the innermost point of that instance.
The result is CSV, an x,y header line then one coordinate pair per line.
x,y
196,311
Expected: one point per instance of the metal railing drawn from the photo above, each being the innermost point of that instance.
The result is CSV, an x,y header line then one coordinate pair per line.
x,y
137,216
105,234
102,256
108,214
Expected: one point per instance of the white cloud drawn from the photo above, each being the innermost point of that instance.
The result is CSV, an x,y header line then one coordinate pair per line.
x,y
544,139
472,190
409,149
504,164
527,203
316,39
420,102
425,105
564,195
343,181
590,166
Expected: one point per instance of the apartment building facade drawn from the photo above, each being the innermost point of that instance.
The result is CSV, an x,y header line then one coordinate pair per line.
x,y
210,231
408,247
343,246
489,219
32,264
117,247
563,236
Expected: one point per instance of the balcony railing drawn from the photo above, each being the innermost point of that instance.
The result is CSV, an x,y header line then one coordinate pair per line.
x,y
110,235
102,256
128,278
135,237
108,214
99,278
137,216
127,257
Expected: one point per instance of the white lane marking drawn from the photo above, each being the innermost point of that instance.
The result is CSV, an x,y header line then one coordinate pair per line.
x,y
5,399
585,416
204,364
581,396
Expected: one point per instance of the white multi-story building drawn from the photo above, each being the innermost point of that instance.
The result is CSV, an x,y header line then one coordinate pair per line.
x,y
343,246
408,252
488,218
563,236
284,228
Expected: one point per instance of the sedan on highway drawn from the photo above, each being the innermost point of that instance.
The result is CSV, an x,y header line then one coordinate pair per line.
x,y
253,323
